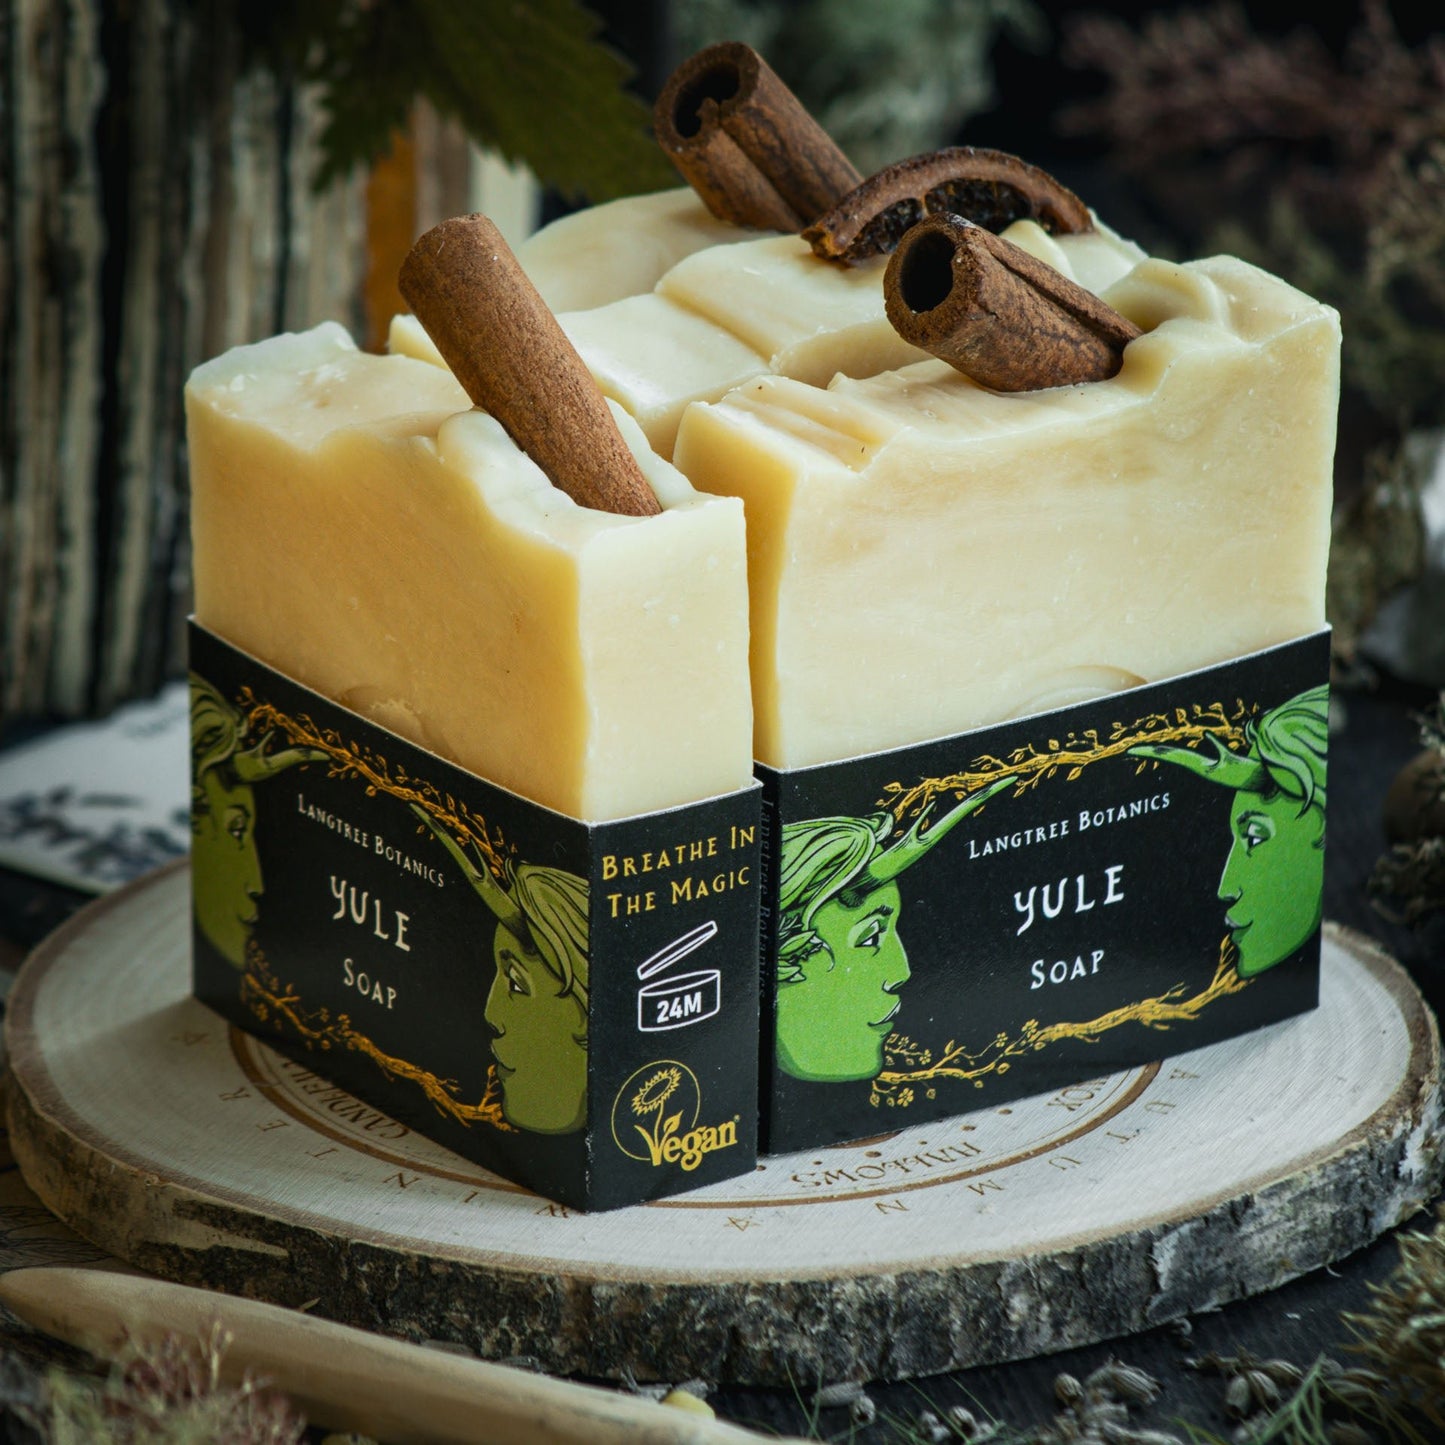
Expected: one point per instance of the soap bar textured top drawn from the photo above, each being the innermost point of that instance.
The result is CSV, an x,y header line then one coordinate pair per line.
x,y
360,528
620,248
760,304
927,556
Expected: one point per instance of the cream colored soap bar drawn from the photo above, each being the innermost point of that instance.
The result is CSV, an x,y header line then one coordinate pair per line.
x,y
729,313
1095,259
619,249
723,315
767,305
926,556
358,527
810,319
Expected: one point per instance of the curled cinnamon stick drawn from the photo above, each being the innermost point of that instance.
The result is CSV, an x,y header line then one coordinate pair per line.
x,y
513,360
745,143
996,313
991,188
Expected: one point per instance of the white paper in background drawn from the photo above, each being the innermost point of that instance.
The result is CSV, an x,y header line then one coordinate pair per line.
x,y
96,804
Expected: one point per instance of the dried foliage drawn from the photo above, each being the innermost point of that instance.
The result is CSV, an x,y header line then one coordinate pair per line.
x,y
170,1394
1405,240
1327,169
1396,1397
1403,1332
1349,151
1279,1404
1411,876
1379,540
1198,84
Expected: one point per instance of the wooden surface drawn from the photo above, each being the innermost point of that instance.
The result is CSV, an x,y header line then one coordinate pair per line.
x,y
200,1155
156,207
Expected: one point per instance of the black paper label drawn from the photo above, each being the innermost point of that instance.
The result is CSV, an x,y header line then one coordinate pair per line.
x,y
573,1005
955,924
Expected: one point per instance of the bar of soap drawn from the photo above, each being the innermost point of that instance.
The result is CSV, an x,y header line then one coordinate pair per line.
x,y
654,357
1095,259
726,313
717,318
620,248
927,556
360,528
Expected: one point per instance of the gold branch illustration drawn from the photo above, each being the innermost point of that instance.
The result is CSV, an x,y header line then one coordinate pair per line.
x,y
1075,751
960,1063
377,774
271,1002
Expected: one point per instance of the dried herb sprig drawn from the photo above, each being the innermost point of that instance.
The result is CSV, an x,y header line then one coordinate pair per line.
x,y
1354,145
1378,539
1201,81
1403,1331
1415,874
169,1394
1328,1404
1350,150
1408,882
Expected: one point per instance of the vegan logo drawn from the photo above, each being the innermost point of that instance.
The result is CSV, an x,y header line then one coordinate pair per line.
x,y
655,1114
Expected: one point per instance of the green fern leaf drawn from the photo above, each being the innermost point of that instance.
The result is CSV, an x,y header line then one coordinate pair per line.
x,y
529,80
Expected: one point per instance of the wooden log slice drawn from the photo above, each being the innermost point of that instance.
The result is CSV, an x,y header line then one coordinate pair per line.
x,y
197,1153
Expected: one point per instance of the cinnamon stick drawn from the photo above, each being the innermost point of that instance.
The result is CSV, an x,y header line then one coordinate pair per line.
x,y
996,313
991,188
745,143
514,360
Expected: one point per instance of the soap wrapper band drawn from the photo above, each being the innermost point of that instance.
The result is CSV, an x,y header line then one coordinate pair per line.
x,y
1141,875
467,961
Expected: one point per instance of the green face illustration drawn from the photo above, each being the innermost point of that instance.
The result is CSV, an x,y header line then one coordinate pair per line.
x,y
1274,874
832,1022
1272,878
540,1047
225,865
